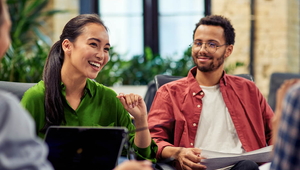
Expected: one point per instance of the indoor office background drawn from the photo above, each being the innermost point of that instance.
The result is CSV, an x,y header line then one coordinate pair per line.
x,y
171,27
155,34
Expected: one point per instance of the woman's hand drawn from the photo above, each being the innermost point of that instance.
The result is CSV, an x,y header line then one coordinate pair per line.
x,y
134,104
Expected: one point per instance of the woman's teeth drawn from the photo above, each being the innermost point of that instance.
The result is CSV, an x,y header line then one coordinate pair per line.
x,y
94,64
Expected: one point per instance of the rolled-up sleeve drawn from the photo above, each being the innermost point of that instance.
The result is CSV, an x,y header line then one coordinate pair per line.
x,y
161,121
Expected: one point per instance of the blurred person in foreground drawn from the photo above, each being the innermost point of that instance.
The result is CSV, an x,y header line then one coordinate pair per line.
x,y
286,127
210,109
20,148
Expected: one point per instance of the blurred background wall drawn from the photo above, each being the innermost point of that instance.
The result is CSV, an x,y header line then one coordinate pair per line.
x,y
275,39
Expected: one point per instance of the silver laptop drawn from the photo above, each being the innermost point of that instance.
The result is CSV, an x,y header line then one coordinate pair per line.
x,y
75,148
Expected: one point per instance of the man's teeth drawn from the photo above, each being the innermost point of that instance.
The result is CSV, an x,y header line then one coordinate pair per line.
x,y
94,64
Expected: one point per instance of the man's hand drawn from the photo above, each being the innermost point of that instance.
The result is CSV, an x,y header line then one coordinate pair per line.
x,y
189,159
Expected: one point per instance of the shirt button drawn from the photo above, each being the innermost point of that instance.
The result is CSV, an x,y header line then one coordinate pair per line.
x,y
194,94
198,106
192,144
194,124
201,93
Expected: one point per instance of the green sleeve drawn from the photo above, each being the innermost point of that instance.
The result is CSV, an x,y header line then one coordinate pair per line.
x,y
141,153
33,101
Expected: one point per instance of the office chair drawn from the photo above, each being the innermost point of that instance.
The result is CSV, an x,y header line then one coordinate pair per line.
x,y
150,94
275,82
16,88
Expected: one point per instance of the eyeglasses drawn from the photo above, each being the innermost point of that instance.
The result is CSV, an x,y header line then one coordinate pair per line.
x,y
210,47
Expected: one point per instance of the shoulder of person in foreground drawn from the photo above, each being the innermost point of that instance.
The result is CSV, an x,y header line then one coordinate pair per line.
x,y
286,148
20,147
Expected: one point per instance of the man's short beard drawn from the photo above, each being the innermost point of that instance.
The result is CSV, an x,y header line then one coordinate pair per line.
x,y
211,67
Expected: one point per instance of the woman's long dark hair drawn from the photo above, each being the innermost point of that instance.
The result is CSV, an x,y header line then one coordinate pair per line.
x,y
1,12
54,110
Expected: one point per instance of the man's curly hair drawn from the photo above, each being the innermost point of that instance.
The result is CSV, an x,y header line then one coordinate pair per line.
x,y
218,20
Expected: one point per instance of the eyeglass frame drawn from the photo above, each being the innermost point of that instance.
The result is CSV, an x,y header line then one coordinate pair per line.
x,y
192,44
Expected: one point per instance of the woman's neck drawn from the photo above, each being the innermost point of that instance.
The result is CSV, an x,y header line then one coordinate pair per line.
x,y
73,82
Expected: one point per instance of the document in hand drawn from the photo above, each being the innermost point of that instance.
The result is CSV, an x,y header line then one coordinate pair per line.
x,y
216,160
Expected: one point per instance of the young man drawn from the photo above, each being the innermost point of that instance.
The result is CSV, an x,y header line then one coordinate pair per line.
x,y
20,147
211,110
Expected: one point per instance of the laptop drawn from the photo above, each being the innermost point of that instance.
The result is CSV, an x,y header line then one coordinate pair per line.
x,y
75,148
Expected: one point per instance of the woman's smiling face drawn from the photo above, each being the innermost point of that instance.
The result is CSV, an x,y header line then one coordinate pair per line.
x,y
89,52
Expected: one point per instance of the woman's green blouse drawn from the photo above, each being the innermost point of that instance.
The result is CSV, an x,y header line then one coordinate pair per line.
x,y
99,106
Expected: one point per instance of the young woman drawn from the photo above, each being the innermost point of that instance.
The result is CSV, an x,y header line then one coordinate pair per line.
x,y
67,95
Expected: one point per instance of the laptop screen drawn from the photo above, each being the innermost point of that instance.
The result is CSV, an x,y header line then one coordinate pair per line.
x,y
84,147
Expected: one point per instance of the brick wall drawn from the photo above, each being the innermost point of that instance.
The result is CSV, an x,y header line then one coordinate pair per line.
x,y
293,38
276,42
239,15
60,20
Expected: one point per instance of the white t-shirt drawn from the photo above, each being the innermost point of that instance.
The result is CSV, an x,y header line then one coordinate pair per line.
x,y
216,131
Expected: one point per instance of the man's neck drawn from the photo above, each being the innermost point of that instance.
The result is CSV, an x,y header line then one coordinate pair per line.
x,y
209,78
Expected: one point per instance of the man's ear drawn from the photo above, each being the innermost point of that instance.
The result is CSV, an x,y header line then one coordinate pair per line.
x,y
67,46
229,50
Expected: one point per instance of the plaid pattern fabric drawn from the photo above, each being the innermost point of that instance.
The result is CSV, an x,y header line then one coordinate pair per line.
x,y
287,148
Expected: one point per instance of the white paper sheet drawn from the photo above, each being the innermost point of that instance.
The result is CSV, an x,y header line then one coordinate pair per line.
x,y
216,160
265,166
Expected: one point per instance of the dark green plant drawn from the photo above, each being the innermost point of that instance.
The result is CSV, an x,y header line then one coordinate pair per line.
x,y
138,71
232,66
141,69
24,60
183,65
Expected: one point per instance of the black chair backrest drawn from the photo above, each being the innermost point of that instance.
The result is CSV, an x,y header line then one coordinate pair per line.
x,y
275,82
163,79
150,94
15,88
246,76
